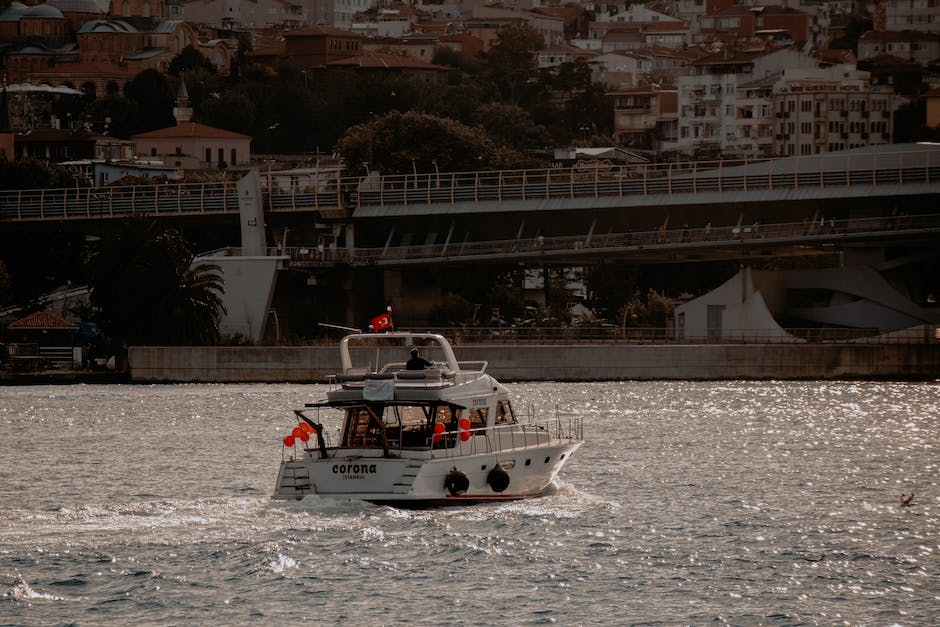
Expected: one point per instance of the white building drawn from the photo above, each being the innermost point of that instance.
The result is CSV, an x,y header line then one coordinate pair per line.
x,y
708,99
920,15
829,109
243,14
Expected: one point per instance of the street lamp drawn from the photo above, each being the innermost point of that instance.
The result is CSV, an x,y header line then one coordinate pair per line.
x,y
277,326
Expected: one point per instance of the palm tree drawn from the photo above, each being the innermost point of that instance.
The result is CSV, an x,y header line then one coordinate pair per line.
x,y
148,291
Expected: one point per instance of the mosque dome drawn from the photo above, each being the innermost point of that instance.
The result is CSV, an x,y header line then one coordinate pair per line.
x,y
14,12
44,10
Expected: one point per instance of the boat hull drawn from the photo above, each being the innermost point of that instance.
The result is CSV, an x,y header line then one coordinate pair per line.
x,y
418,479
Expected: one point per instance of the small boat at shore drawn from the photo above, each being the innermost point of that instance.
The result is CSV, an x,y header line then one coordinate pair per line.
x,y
444,434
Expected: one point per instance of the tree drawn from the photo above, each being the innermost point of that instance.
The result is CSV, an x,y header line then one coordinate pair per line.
x,y
122,112
190,59
30,173
512,126
406,142
511,61
231,111
147,290
155,98
6,284
451,310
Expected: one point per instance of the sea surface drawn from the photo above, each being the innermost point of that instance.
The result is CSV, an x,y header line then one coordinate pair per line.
x,y
774,503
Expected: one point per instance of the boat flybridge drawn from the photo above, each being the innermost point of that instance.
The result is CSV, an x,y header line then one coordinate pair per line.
x,y
439,435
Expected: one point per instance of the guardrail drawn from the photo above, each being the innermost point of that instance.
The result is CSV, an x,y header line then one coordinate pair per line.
x,y
817,231
333,197
160,200
816,171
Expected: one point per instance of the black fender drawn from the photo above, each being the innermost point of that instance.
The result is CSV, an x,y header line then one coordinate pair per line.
x,y
498,479
456,482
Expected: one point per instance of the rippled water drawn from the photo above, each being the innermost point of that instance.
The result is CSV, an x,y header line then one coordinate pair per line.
x,y
771,502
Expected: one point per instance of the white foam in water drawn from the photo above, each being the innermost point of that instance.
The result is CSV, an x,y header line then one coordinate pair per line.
x,y
281,564
22,591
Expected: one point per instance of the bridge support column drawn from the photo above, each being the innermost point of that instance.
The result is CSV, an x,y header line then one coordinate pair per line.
x,y
249,277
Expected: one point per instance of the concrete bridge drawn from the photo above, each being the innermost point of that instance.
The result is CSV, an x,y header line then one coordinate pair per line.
x,y
862,201
896,172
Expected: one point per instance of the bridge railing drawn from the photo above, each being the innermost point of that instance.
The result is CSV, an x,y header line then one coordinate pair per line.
x,y
816,171
158,199
810,231
110,202
332,197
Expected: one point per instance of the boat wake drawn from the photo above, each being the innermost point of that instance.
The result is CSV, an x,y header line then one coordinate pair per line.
x,y
18,589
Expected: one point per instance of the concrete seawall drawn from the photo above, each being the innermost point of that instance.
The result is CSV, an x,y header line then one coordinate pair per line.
x,y
557,362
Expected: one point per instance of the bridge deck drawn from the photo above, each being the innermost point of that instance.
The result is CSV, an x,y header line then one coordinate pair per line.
x,y
676,245
892,171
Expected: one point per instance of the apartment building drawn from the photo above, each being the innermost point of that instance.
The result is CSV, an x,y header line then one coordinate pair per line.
x,y
645,117
911,45
708,106
748,22
829,109
920,15
754,119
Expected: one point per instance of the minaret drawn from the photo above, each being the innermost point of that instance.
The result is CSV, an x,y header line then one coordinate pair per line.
x,y
6,127
182,111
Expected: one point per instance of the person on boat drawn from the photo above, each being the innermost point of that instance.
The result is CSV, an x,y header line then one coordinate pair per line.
x,y
417,362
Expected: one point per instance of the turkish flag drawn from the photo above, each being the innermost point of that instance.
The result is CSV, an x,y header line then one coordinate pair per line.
x,y
381,322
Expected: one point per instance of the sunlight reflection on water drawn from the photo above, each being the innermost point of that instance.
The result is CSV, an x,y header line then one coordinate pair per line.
x,y
689,502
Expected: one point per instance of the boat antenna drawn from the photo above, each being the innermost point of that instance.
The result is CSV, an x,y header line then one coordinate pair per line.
x,y
340,327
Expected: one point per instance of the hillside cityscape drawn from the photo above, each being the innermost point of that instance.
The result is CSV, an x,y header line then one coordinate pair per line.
x,y
143,92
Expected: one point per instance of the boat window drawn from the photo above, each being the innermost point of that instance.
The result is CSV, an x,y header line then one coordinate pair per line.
x,y
361,430
478,418
445,415
504,413
407,416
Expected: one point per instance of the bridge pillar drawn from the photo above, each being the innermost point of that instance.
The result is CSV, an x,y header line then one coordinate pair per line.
x,y
251,212
249,277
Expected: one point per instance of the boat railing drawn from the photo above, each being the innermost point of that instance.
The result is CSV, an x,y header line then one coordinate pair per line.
x,y
509,437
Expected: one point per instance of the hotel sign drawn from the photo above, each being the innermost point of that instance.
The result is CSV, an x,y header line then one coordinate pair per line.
x,y
826,87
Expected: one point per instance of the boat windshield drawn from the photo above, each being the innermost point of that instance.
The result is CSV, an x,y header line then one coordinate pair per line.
x,y
399,425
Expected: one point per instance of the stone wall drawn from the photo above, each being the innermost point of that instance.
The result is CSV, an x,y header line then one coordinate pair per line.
x,y
558,362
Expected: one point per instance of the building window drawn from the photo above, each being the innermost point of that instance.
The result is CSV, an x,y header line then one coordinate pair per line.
x,y
208,156
233,160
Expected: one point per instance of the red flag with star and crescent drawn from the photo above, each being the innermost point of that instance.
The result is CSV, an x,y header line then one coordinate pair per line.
x,y
381,322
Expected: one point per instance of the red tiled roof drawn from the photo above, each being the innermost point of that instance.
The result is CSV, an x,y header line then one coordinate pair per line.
x,y
321,31
43,320
190,129
387,61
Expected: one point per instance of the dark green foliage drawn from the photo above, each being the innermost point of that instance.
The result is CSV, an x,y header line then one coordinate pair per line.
x,y
231,111
6,285
452,310
29,173
406,142
155,99
147,291
190,59
123,112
